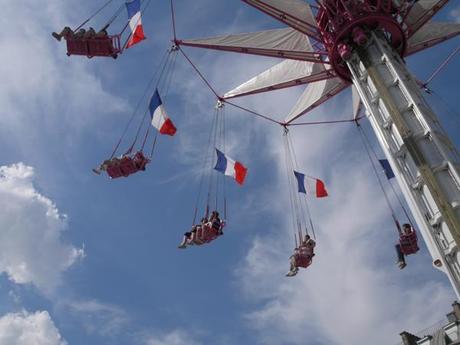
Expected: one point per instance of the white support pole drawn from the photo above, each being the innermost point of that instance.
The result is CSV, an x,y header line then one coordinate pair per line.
x,y
423,158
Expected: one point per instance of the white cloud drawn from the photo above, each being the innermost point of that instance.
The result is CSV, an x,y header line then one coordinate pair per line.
x,y
14,296
348,288
176,337
99,318
455,14
353,293
29,329
31,247
45,95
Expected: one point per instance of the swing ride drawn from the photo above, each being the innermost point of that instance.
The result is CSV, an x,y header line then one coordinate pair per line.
x,y
90,43
408,243
302,222
134,160
408,240
127,165
329,46
333,44
212,190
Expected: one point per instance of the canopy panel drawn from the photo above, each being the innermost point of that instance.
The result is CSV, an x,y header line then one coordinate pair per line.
x,y
285,74
421,12
431,34
316,94
295,13
282,43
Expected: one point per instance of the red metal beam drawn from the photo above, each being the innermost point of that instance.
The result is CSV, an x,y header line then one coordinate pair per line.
x,y
284,54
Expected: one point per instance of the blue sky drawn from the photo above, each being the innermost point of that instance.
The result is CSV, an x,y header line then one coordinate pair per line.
x,y
86,260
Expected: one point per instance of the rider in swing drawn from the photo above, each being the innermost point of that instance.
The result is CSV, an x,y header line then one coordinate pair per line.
x,y
407,230
306,248
188,236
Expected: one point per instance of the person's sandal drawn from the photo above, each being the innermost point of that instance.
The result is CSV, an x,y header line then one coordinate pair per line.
x,y
56,36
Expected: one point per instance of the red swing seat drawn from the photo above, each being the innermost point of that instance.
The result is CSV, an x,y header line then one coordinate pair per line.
x,y
303,258
209,234
96,46
104,46
206,234
114,169
127,165
76,46
408,243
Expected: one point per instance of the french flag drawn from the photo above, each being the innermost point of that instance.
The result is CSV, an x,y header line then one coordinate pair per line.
x,y
160,120
135,22
387,168
314,185
229,167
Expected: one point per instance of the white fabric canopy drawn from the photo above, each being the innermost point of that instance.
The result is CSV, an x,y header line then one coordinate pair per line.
x,y
421,12
295,13
284,43
431,34
316,94
285,74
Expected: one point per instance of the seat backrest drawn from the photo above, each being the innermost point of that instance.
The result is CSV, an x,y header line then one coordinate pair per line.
x,y
302,260
306,249
114,171
408,238
127,166
103,46
408,243
209,233
77,46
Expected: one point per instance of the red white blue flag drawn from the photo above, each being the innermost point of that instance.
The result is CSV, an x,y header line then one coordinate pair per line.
x,y
160,119
310,185
135,22
387,168
229,167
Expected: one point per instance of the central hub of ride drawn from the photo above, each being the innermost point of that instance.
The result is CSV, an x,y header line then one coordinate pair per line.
x,y
345,25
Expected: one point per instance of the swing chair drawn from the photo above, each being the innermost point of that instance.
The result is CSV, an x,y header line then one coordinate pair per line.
x,y
211,191
91,43
207,232
100,44
135,160
129,164
407,235
303,256
301,216
408,239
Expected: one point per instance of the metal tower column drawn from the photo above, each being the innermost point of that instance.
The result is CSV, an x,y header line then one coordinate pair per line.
x,y
424,160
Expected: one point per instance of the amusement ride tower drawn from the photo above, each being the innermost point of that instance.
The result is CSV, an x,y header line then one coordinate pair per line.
x,y
333,44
